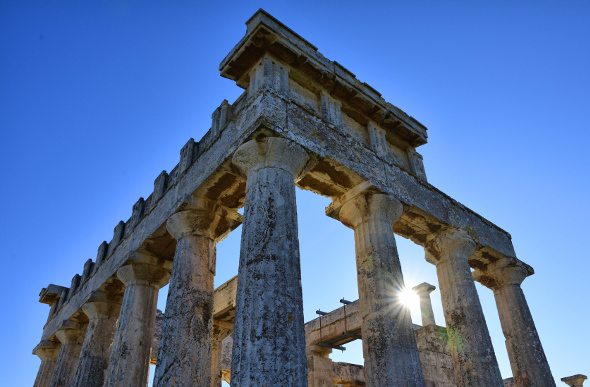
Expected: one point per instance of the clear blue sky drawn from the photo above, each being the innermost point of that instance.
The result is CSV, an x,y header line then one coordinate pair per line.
x,y
97,98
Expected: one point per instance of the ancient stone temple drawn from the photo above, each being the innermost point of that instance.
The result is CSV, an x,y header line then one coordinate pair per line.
x,y
302,121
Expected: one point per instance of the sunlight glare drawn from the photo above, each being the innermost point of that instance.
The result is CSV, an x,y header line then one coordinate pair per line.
x,y
409,298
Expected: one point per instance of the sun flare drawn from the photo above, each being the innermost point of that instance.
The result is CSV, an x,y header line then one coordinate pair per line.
x,y
409,298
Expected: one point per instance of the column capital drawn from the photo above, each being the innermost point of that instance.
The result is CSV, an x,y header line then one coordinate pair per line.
x,y
71,332
448,243
101,309
504,272
575,380
143,274
270,152
424,289
47,350
198,216
367,206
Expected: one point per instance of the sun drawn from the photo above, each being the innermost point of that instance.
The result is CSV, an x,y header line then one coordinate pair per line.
x,y
409,298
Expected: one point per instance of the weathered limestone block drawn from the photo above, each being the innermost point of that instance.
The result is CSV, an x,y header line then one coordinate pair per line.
x,y
48,352
269,342
96,349
320,370
527,358
130,352
474,360
331,109
575,380
389,345
377,141
71,336
270,73
349,375
88,267
184,357
220,118
435,356
423,291
51,296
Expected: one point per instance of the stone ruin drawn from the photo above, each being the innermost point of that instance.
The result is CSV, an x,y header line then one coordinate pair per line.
x,y
303,121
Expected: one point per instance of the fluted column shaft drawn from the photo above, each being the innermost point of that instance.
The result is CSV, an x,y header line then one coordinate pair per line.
x,y
71,344
219,334
96,349
423,291
269,337
48,356
130,352
527,358
474,360
185,350
389,345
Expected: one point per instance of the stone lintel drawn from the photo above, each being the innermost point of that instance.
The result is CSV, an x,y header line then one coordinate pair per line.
x,y
267,34
51,293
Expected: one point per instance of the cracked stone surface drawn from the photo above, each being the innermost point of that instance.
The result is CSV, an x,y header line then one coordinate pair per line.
x,y
48,356
71,344
130,352
527,357
185,352
96,349
474,360
269,338
389,345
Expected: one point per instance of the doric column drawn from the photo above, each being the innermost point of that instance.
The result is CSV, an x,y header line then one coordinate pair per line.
x,y
423,291
130,352
527,358
71,336
389,345
320,368
48,352
102,311
184,357
221,330
575,381
269,338
474,360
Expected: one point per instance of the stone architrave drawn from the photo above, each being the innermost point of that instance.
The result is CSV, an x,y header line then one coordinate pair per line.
x,y
130,352
184,357
48,353
269,338
71,336
527,357
389,345
96,350
474,360
423,291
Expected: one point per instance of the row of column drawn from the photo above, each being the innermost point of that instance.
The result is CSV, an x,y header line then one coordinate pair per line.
x,y
269,342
